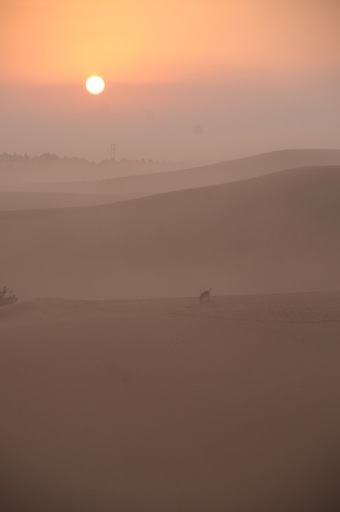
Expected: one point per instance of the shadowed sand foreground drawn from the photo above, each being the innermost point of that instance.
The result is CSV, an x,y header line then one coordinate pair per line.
x,y
171,405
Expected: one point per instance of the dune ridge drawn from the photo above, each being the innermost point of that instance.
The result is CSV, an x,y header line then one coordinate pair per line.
x,y
206,175
11,201
272,233
311,307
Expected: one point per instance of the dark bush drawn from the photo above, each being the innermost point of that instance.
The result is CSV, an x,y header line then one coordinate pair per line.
x,y
7,297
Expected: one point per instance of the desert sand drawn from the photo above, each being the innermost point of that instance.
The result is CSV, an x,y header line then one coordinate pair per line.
x,y
273,233
230,404
121,391
11,201
169,181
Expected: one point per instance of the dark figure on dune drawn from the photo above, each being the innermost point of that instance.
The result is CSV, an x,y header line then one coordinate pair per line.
x,y
205,295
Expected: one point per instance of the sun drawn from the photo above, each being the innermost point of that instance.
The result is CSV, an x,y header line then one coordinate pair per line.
x,y
95,84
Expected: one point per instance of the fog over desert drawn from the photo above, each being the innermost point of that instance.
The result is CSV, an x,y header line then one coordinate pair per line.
x,y
275,232
122,390
169,256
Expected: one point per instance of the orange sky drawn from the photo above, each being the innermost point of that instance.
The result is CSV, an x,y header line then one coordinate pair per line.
x,y
160,40
252,74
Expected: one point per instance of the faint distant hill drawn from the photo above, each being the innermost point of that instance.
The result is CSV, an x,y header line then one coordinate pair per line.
x,y
17,169
213,174
273,233
11,201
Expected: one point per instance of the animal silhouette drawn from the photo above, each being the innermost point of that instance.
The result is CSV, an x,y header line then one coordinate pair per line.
x,y
205,295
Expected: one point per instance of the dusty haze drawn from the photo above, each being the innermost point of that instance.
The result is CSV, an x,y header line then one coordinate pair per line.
x,y
175,345
186,80
144,403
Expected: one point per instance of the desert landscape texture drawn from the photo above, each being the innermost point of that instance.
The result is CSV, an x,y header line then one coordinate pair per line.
x,y
169,256
122,391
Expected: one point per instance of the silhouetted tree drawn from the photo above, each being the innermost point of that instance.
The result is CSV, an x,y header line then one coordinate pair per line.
x,y
7,297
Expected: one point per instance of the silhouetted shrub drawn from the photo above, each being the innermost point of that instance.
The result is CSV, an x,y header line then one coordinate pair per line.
x,y
7,297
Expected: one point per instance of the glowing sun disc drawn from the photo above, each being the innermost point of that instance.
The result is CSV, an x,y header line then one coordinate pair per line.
x,y
95,84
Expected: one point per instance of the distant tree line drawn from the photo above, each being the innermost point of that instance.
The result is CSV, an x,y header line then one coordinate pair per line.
x,y
7,297
48,158
43,158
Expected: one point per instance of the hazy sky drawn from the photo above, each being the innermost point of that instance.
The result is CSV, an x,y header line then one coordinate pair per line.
x,y
185,79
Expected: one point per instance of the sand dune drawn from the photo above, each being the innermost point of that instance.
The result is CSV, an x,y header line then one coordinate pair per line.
x,y
16,170
171,404
224,172
10,201
274,233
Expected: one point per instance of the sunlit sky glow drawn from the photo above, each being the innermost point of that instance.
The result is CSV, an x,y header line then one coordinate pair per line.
x,y
162,60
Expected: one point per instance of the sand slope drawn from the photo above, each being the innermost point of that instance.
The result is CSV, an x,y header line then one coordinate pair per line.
x,y
224,172
10,201
46,168
153,405
274,233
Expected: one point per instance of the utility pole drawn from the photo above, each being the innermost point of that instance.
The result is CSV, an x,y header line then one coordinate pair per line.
x,y
113,152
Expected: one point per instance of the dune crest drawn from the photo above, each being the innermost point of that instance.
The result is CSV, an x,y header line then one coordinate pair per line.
x,y
275,233
206,175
